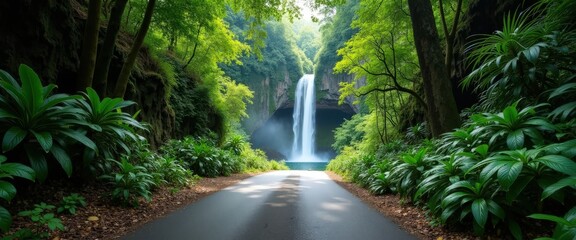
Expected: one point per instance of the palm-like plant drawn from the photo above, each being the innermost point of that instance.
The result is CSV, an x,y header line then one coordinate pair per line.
x,y
106,124
518,128
472,198
526,58
407,173
444,172
37,121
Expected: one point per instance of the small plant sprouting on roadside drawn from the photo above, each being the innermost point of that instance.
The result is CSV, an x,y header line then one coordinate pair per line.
x,y
70,203
130,183
43,216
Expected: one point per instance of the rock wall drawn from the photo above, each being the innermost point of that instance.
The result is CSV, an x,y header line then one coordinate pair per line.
x,y
269,95
47,35
329,91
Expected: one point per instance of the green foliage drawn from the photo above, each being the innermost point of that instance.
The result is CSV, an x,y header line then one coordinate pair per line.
x,y
335,32
71,203
256,161
43,216
130,183
565,226
348,133
7,190
417,133
106,124
517,156
38,122
407,173
202,157
533,52
26,233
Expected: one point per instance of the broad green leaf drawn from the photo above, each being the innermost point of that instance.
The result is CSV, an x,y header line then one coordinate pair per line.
x,y
562,89
62,158
5,219
515,139
482,150
564,110
80,137
548,217
6,114
508,173
515,229
44,139
559,163
566,182
31,87
495,209
7,190
480,211
38,163
12,138
18,170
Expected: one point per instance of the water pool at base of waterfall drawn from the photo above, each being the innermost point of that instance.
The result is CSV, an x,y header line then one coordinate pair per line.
x,y
312,166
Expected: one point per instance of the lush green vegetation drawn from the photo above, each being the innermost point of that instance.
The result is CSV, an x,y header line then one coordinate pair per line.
x,y
91,138
512,159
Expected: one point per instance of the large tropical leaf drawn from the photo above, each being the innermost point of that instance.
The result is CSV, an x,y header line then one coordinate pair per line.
x,y
559,163
566,182
18,170
7,190
62,158
5,219
13,136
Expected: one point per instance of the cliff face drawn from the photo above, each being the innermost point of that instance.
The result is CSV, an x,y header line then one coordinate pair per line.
x,y
329,86
271,95
47,36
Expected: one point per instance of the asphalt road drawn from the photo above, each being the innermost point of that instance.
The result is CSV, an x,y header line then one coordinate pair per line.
x,y
276,205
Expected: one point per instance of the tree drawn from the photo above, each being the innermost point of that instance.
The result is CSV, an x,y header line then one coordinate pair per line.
x,y
100,83
89,45
442,112
124,76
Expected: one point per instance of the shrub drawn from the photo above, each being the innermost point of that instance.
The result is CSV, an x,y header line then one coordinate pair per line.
x,y
37,121
130,183
106,125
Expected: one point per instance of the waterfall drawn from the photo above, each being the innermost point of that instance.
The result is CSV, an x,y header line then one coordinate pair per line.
x,y
304,120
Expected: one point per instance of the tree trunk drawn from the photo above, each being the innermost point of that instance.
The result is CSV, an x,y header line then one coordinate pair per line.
x,y
89,46
442,113
124,76
107,51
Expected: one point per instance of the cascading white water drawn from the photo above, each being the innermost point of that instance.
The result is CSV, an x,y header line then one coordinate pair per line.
x,y
304,120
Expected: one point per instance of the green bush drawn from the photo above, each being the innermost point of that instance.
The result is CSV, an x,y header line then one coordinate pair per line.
x,y
71,203
203,158
106,125
130,183
38,122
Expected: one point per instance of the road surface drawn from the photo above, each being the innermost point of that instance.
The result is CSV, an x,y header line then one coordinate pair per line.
x,y
279,205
